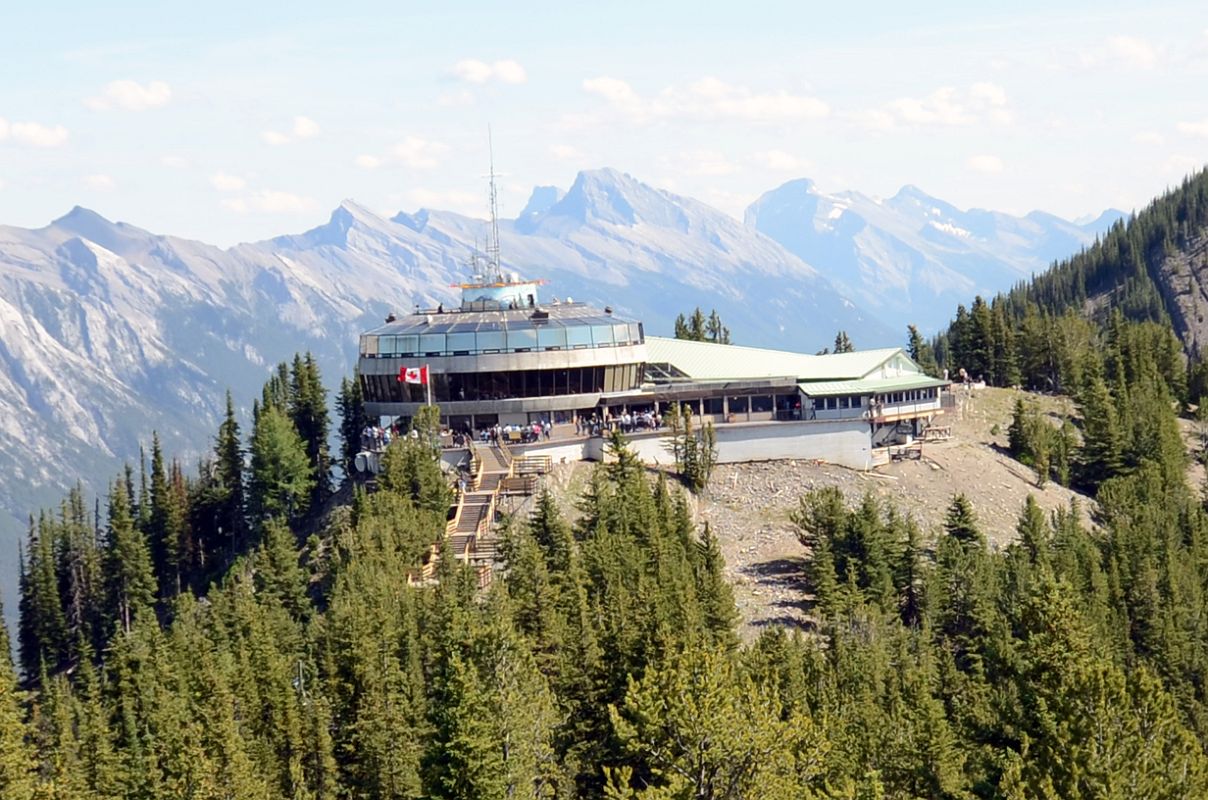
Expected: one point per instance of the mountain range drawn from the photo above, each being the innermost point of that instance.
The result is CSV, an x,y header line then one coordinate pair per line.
x,y
109,331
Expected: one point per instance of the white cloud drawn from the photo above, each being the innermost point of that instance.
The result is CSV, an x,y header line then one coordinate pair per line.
x,y
101,182
367,161
461,202
227,183
705,100
274,138
33,133
565,152
1179,166
1193,128
419,153
463,97
947,106
305,128
174,162
704,162
984,163
778,160
1130,52
2,184
1133,52
130,96
1149,137
270,202
471,70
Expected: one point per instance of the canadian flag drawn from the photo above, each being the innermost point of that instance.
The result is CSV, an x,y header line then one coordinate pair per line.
x,y
413,375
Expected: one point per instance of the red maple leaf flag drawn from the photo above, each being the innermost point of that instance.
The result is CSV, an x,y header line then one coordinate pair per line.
x,y
413,375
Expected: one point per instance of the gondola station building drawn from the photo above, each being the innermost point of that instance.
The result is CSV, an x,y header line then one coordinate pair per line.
x,y
505,357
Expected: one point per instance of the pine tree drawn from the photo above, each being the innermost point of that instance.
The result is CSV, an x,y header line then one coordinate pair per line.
x,y
228,459
17,778
350,407
921,352
842,343
128,572
960,523
282,478
713,592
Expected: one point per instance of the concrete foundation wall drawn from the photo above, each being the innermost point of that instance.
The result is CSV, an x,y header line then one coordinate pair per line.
x,y
843,442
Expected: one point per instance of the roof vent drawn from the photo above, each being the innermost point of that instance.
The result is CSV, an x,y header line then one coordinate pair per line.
x,y
540,313
390,317
607,309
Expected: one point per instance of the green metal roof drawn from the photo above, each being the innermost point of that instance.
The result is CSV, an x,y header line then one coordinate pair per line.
x,y
704,361
900,383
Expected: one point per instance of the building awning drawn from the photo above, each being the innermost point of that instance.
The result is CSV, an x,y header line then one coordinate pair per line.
x,y
870,386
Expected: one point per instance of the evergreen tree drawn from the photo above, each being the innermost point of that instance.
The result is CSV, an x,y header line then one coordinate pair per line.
x,y
282,478
842,343
17,778
129,577
228,459
921,352
350,407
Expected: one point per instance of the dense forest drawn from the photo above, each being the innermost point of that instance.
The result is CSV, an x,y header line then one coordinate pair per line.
x,y
1033,335
245,628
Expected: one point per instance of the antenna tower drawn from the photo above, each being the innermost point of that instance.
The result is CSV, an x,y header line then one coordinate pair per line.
x,y
493,240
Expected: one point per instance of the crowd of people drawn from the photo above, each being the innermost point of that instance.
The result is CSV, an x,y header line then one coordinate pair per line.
x,y
377,438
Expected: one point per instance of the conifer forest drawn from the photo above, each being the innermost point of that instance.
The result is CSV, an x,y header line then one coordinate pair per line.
x,y
243,627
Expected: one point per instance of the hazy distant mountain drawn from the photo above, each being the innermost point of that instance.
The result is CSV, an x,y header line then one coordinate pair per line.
x,y
912,258
108,331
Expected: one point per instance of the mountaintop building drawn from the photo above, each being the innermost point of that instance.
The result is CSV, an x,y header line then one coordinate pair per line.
x,y
504,357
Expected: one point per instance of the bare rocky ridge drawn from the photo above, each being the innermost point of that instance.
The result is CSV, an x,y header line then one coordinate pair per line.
x,y
1183,280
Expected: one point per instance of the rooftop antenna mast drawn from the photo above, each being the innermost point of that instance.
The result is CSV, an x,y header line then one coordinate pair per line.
x,y
493,241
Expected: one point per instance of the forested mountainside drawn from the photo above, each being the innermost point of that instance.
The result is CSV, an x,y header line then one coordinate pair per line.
x,y
1145,270
238,633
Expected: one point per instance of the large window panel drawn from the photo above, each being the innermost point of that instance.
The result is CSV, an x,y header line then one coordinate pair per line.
x,y
601,335
369,345
491,340
406,344
432,343
578,336
386,346
620,333
461,342
522,339
551,337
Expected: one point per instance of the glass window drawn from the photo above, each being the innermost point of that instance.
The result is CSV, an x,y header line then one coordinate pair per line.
x,y
844,402
369,345
601,335
461,342
491,340
431,343
620,334
641,337
548,337
713,405
386,346
578,336
761,402
738,405
522,338
407,344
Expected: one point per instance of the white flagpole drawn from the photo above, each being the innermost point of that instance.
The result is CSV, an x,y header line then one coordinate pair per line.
x,y
428,383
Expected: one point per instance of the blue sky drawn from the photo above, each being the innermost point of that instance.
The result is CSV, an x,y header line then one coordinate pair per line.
x,y
238,121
